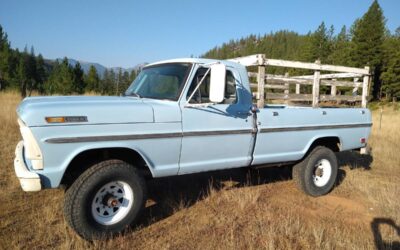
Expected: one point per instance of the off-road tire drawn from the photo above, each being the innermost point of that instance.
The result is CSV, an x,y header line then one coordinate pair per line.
x,y
303,172
79,197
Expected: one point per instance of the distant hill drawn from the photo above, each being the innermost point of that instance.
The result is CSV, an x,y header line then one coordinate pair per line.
x,y
100,68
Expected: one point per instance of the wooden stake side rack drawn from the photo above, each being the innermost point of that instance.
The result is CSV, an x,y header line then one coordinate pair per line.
x,y
339,78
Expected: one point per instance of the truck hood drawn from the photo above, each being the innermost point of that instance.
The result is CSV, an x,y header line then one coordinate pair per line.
x,y
97,109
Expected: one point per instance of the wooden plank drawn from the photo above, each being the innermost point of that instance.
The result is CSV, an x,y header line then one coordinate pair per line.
x,y
330,76
333,90
252,74
314,66
260,87
340,98
269,86
365,89
356,85
307,82
310,82
297,88
252,60
337,83
274,78
290,81
315,89
308,97
286,84
277,79
292,97
324,83
277,86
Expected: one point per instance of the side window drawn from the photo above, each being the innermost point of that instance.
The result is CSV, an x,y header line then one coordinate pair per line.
x,y
230,88
202,93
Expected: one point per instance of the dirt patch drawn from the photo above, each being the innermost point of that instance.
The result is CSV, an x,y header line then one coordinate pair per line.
x,y
353,211
287,197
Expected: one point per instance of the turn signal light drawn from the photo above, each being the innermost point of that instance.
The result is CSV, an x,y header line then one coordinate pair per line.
x,y
55,119
363,140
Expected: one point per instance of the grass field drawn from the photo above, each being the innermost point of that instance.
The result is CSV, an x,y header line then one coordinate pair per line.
x,y
233,209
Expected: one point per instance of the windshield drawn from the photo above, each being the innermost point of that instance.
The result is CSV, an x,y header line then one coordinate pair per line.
x,y
163,81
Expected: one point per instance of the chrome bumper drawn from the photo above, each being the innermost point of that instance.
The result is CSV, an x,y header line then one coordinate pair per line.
x,y
29,181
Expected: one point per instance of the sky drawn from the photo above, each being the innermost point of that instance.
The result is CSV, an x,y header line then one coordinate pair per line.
x,y
126,33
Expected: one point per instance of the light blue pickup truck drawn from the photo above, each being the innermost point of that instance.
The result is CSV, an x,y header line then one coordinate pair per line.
x,y
178,117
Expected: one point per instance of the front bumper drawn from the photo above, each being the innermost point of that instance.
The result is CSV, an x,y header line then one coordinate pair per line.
x,y
29,181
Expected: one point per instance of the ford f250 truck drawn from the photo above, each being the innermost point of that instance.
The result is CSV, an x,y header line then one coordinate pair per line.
x,y
178,117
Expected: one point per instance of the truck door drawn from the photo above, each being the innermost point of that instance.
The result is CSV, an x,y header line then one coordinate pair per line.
x,y
216,136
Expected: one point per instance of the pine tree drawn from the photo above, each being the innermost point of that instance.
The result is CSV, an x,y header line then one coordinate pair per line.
x,y
5,55
109,83
23,72
133,75
391,77
78,83
50,83
92,80
391,66
31,71
13,62
41,74
367,40
340,48
60,79
125,82
319,44
119,82
397,32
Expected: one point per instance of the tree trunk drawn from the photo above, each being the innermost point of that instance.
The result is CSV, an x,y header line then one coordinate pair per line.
x,y
376,88
23,89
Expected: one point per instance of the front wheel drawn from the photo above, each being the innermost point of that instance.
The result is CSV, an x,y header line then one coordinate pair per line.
x,y
317,173
105,200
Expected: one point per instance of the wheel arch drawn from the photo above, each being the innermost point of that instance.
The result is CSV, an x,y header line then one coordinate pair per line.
x,y
332,142
87,158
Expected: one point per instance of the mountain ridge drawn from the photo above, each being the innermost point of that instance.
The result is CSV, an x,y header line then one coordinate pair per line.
x,y
99,67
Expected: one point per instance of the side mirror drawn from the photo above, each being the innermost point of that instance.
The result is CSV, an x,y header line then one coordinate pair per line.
x,y
217,83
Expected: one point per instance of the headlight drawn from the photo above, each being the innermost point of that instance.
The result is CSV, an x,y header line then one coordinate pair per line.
x,y
31,146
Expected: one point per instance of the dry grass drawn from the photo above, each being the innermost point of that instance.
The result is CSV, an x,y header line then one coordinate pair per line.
x,y
227,209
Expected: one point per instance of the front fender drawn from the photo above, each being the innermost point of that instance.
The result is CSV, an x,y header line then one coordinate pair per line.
x,y
160,154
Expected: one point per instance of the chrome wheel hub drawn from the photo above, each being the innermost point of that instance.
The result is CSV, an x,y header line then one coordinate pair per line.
x,y
322,173
112,202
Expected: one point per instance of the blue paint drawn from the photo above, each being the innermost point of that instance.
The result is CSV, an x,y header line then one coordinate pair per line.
x,y
184,153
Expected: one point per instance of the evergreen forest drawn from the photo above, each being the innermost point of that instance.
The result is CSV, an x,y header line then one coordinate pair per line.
x,y
366,43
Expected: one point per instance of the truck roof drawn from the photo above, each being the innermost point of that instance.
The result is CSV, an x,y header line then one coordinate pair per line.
x,y
197,61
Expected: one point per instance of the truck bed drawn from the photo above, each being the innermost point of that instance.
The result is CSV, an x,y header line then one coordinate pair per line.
x,y
285,133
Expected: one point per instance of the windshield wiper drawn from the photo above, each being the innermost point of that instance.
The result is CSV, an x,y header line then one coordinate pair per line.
x,y
133,94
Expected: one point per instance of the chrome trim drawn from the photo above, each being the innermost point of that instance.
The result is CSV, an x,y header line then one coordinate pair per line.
x,y
112,138
68,119
302,128
197,133
218,132
146,136
29,181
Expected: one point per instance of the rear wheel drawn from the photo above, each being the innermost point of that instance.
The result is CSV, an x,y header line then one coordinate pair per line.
x,y
105,200
316,174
